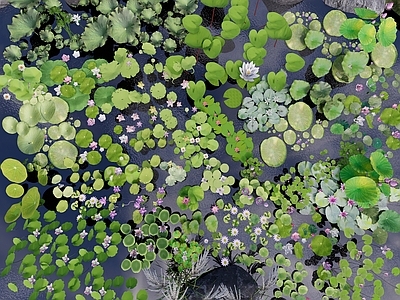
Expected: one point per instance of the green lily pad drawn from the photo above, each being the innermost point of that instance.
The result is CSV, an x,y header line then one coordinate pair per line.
x,y
387,32
124,26
363,190
273,151
30,202
381,164
300,116
321,245
296,42
299,89
338,72
31,142
384,57
14,190
29,114
314,39
332,22
13,213
60,151
9,124
14,170
321,66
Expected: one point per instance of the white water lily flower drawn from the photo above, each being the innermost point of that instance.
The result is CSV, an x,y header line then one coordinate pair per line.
x,y
248,71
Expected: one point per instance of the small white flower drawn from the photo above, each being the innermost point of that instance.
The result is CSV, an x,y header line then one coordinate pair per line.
x,y
6,96
83,156
78,217
234,210
205,155
205,241
191,140
65,258
50,288
257,230
102,117
58,90
303,240
36,233
236,243
197,140
183,149
95,71
32,279
198,128
224,262
97,217
76,19
83,234
334,232
102,292
220,191
234,232
123,139
224,240
43,248
58,231
95,263
359,120
263,220
75,83
248,71
277,237
246,213
288,248
21,67
76,54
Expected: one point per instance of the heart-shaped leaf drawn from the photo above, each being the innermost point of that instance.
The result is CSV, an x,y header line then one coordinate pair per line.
x,y
258,39
196,90
294,62
192,23
230,30
214,49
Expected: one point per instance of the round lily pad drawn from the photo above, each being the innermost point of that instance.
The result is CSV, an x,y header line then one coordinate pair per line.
x,y
300,116
9,124
31,142
29,114
289,136
22,128
332,22
317,131
299,32
14,190
335,48
273,151
384,57
13,170
62,206
363,190
338,73
61,150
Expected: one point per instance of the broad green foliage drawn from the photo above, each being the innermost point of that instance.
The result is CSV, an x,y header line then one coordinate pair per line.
x,y
24,24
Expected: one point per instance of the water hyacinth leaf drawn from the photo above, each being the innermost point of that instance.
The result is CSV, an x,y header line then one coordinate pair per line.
x,y
124,26
351,27
333,21
314,39
381,164
105,7
230,30
24,24
233,98
296,42
365,13
13,213
273,151
387,32
31,142
294,62
355,62
384,57
300,116
367,34
14,170
60,151
321,245
389,220
321,66
212,223
363,190
30,202
299,89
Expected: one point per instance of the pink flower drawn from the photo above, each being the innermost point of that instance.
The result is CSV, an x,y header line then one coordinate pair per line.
x,y
90,103
112,214
120,118
394,106
118,171
389,5
295,236
350,202
365,110
130,129
359,87
194,109
116,189
214,209
93,145
178,104
185,84
326,265
344,214
185,200
332,199
385,249
65,58
91,122
135,117
139,124
170,103
383,15
67,79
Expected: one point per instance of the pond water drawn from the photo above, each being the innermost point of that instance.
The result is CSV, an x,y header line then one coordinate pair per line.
x,y
274,61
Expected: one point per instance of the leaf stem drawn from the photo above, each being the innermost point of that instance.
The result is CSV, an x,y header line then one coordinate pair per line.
x,y
255,10
212,17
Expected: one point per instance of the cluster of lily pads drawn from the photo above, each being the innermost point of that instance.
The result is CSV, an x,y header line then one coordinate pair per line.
x,y
192,180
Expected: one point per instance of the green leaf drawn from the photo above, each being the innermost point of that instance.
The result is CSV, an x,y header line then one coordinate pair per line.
x,y
355,62
294,62
230,30
321,245
124,26
234,98
24,24
363,190
13,213
387,32
367,34
365,13
273,151
14,170
192,23
350,28
30,202
381,164
278,27
321,66
211,223
389,220
12,287
277,81
299,89
258,38
314,39
214,49
95,34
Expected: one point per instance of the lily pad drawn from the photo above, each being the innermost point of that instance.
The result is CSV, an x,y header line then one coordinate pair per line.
x,y
381,164
321,66
13,213
314,39
299,89
299,32
60,151
14,170
363,190
30,202
273,151
300,116
332,22
14,190
384,57
124,26
31,142
321,245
